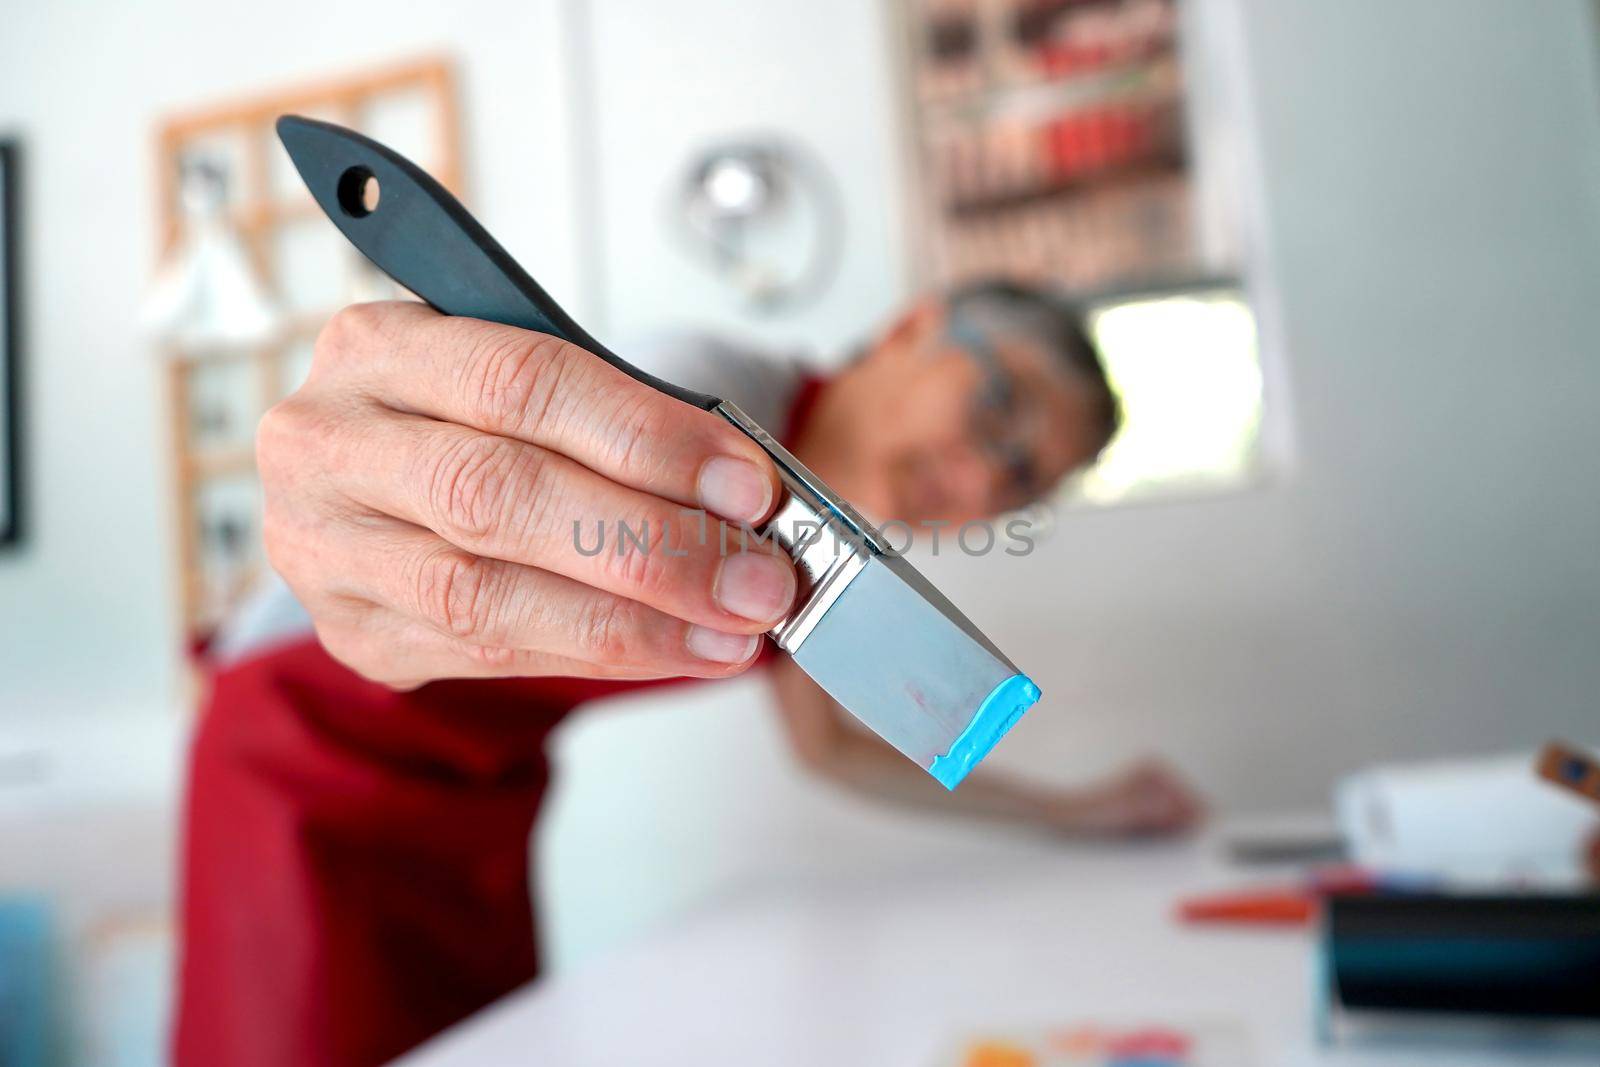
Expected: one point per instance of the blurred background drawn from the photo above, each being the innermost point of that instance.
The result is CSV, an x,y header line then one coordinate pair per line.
x,y
1341,259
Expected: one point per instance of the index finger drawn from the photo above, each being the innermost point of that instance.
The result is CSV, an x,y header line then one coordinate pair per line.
x,y
546,391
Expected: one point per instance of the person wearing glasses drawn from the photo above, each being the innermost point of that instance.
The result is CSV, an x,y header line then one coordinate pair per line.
x,y
371,762
968,406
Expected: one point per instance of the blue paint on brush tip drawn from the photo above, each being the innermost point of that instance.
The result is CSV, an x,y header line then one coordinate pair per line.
x,y
999,711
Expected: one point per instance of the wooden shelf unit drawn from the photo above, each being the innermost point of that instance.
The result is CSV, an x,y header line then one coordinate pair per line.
x,y
262,211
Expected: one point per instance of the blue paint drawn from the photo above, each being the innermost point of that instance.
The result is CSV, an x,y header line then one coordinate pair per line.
x,y
998,713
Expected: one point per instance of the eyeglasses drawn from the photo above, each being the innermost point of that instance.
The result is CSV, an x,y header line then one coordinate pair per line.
x,y
994,413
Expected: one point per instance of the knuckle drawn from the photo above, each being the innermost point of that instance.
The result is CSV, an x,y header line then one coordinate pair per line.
x,y
293,543
349,646
303,435
472,481
294,446
348,333
639,428
299,550
453,595
639,561
275,540
605,632
278,438
512,378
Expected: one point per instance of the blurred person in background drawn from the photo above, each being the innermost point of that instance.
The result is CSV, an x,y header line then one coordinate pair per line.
x,y
366,777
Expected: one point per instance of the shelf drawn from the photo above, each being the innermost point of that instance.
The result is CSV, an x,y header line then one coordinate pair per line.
x,y
220,463
267,215
297,326
1050,98
975,207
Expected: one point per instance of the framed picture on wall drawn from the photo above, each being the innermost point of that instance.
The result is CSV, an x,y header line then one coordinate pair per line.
x,y
10,299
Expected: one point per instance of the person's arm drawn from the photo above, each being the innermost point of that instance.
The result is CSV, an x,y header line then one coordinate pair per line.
x,y
1146,798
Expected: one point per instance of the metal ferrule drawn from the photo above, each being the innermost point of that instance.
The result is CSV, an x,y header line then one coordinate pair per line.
x,y
828,539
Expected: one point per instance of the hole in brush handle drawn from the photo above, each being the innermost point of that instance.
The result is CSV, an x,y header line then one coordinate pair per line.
x,y
358,192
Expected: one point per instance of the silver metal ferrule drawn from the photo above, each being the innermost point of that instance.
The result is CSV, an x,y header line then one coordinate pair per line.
x,y
828,540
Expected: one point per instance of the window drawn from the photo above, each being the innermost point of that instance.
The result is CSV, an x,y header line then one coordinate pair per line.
x,y
1185,365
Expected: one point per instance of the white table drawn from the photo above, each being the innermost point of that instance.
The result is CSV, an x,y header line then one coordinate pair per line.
x,y
892,973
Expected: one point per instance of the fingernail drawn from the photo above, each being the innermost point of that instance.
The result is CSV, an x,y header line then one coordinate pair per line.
x,y
718,647
735,489
755,586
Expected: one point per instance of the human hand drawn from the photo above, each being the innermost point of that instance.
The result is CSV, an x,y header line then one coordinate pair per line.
x,y
432,494
1147,798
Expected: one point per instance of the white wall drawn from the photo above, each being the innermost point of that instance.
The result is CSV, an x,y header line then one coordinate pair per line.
x,y
1423,579
671,78
85,611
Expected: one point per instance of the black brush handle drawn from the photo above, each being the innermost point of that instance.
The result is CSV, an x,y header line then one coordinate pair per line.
x,y
421,236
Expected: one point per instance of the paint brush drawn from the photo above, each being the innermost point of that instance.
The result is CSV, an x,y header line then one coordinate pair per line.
x,y
875,634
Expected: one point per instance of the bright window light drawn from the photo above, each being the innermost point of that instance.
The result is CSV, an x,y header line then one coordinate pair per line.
x,y
1187,370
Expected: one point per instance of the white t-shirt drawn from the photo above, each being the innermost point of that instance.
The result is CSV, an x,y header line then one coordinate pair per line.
x,y
763,383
